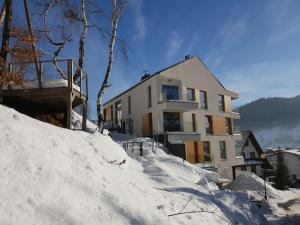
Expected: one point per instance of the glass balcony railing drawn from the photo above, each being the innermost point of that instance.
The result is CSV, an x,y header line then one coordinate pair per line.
x,y
164,97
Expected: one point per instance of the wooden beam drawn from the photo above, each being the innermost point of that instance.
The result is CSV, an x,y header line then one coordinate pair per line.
x,y
84,115
69,110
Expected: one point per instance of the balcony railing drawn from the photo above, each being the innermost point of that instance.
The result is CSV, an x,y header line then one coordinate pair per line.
x,y
58,73
163,97
180,103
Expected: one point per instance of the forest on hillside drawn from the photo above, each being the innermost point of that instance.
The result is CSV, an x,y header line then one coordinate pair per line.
x,y
270,112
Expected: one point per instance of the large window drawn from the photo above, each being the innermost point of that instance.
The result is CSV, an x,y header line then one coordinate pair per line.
x,y
238,148
221,105
252,155
170,92
129,105
118,107
223,150
190,94
228,126
149,97
203,100
171,121
194,122
206,151
208,124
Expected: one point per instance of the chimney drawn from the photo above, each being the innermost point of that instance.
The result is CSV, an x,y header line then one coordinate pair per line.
x,y
187,57
145,76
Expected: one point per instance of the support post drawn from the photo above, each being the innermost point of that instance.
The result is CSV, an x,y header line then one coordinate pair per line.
x,y
70,74
141,148
69,110
84,115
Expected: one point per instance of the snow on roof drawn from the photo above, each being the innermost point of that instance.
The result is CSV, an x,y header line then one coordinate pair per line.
x,y
45,84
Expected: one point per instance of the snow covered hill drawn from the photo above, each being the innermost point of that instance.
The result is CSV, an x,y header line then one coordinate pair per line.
x,y
50,175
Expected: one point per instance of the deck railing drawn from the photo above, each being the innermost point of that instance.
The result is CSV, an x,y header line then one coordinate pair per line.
x,y
60,69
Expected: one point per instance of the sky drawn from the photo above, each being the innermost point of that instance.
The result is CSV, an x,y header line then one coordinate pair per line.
x,y
252,47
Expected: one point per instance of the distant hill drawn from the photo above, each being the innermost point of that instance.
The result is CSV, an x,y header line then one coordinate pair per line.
x,y
275,121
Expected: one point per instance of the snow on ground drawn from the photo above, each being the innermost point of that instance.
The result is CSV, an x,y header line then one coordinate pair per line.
x,y
250,182
281,208
50,175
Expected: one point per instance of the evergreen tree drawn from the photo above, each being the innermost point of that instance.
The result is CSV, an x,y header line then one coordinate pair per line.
x,y
282,173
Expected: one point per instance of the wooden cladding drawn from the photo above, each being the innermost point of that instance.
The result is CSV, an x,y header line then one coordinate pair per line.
x,y
147,125
108,116
227,101
194,151
218,124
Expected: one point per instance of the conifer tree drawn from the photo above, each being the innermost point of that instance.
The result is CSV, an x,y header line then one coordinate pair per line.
x,y
282,173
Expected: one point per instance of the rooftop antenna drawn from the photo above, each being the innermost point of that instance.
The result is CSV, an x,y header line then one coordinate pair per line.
x,y
145,70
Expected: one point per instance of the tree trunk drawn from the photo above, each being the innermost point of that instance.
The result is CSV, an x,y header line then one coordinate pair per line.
x,y
115,18
82,41
33,46
5,42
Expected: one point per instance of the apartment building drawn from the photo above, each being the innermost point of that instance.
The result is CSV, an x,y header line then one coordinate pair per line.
x,y
186,103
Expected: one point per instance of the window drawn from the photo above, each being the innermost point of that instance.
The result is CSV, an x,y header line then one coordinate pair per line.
x,y
228,126
194,122
206,151
149,97
171,121
118,107
129,105
220,101
252,155
170,92
238,148
190,94
203,100
208,124
247,142
222,150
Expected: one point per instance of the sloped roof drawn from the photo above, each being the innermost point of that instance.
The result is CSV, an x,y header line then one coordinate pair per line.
x,y
160,71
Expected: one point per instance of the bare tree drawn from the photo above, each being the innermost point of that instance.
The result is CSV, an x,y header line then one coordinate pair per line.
x,y
117,10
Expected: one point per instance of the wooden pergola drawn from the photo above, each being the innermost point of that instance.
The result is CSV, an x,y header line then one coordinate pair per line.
x,y
60,97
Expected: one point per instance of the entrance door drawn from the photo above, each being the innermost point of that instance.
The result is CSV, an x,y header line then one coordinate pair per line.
x,y
147,125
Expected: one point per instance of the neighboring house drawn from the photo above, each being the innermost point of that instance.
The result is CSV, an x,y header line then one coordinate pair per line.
x,y
188,105
292,161
250,149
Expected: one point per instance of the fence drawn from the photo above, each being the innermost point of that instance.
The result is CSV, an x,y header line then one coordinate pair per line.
x,y
139,146
62,70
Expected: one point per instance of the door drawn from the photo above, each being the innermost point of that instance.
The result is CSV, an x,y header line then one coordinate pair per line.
x,y
147,125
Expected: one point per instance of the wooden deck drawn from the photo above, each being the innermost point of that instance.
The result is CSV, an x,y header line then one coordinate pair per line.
x,y
51,101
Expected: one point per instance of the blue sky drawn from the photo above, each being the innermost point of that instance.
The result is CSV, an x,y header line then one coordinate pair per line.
x,y
251,46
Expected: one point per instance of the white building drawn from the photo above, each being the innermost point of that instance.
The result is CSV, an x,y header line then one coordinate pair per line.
x,y
291,159
187,103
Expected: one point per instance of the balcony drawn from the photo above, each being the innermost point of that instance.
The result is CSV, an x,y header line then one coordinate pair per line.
x,y
178,103
178,137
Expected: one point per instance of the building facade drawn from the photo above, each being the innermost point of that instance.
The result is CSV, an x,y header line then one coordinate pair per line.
x,y
186,103
251,151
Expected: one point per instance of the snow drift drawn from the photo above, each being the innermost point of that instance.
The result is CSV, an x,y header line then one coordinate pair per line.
x,y
247,181
50,175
